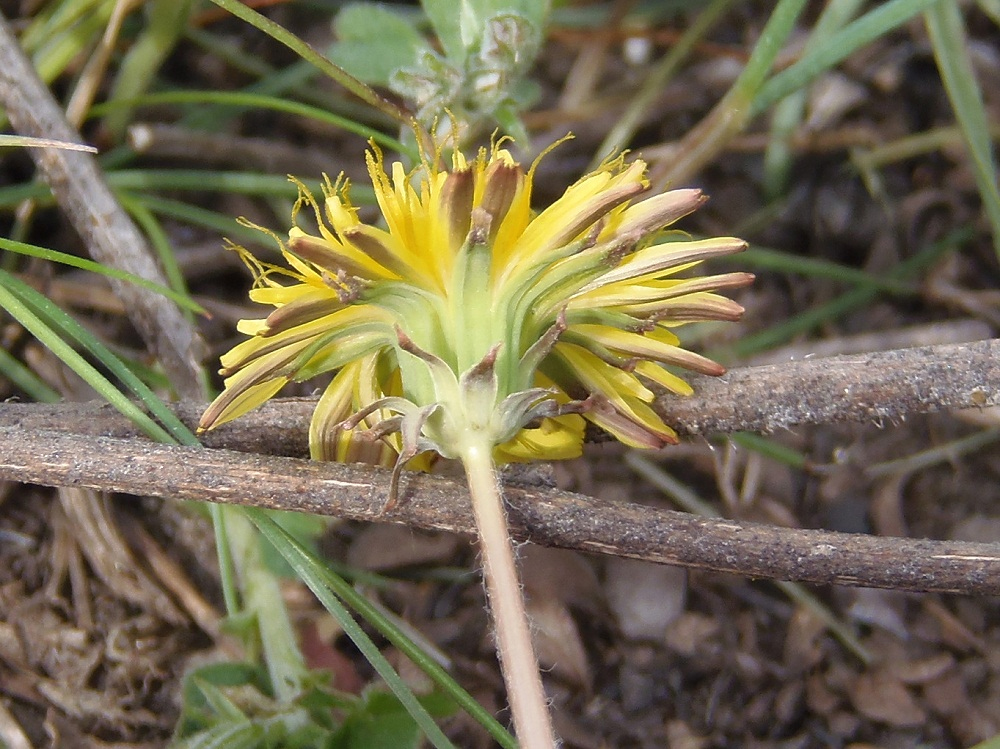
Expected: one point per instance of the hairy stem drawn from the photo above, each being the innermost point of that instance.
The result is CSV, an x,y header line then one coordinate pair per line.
x,y
517,657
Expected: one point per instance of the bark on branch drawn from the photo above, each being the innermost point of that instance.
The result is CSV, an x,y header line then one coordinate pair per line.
x,y
879,387
92,445
546,516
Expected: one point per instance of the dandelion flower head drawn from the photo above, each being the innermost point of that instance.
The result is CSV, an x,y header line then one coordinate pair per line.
x,y
465,314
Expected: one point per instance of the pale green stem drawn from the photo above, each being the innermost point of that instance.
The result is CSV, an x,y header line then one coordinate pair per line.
x,y
528,706
261,591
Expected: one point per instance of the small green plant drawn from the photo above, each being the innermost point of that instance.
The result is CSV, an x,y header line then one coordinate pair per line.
x,y
477,76
233,705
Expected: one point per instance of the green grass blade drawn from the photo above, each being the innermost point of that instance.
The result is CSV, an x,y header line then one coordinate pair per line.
x,y
765,258
219,223
165,21
732,113
949,452
25,379
56,51
89,265
951,51
243,183
12,196
21,312
161,244
874,24
223,550
405,645
788,113
303,50
624,128
313,573
848,301
770,449
62,325
257,101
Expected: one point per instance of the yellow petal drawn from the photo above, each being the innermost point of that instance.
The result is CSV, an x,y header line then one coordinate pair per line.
x,y
577,210
655,260
647,346
598,376
556,438
233,403
663,378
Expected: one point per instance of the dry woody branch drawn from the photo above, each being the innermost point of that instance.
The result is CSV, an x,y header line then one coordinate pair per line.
x,y
545,516
91,445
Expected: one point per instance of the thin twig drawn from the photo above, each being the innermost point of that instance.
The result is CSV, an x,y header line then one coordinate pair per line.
x,y
866,387
880,387
545,516
110,236
885,386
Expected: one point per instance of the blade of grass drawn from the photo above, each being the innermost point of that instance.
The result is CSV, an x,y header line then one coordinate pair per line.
x,y
261,594
165,22
37,191
770,449
89,265
57,45
993,743
990,8
227,565
909,146
293,81
161,244
312,572
948,452
950,43
242,183
623,130
256,101
198,216
875,23
788,113
31,322
765,258
246,183
303,50
54,19
371,614
25,379
731,114
177,432
63,326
